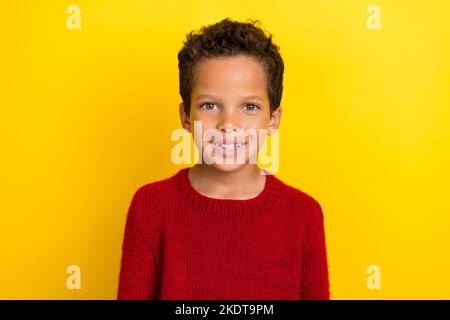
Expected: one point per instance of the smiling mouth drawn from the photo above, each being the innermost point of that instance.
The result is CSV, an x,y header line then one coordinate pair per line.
x,y
229,146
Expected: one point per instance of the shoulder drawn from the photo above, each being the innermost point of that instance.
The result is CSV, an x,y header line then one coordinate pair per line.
x,y
146,209
152,190
158,188
149,199
307,210
297,197
304,206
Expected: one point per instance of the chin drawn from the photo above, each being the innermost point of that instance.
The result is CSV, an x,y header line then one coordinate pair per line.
x,y
224,167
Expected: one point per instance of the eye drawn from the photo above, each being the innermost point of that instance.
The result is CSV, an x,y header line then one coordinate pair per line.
x,y
208,106
251,107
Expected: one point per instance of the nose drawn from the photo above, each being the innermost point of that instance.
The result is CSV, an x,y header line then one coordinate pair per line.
x,y
228,122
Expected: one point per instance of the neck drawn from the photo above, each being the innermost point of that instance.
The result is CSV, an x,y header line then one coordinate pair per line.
x,y
243,183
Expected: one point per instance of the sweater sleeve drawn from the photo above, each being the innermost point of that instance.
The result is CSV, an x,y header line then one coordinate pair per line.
x,y
314,279
138,279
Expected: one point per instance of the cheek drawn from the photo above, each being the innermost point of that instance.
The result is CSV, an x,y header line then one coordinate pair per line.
x,y
205,119
201,122
257,122
203,129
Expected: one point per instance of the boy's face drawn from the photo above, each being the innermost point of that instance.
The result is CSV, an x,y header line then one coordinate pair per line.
x,y
229,97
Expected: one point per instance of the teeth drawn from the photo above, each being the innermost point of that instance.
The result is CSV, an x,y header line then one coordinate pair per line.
x,y
229,146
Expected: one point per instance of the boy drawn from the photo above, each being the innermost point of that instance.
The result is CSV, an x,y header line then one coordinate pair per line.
x,y
222,229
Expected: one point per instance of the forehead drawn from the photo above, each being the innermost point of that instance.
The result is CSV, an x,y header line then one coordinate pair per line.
x,y
229,74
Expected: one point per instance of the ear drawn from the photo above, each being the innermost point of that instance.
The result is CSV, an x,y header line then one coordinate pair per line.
x,y
274,121
184,118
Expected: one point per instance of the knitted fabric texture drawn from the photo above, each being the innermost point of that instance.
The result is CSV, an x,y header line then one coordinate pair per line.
x,y
180,244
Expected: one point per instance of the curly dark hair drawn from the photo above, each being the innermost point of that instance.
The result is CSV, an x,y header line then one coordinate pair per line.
x,y
230,38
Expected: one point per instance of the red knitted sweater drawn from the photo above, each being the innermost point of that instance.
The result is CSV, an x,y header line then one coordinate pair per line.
x,y
180,244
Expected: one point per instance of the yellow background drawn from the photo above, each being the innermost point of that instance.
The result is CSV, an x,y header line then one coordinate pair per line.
x,y
86,118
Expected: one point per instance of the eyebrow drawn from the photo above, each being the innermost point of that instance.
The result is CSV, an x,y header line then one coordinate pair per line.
x,y
256,97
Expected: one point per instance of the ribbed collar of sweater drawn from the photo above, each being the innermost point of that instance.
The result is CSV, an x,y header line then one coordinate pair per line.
x,y
266,199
